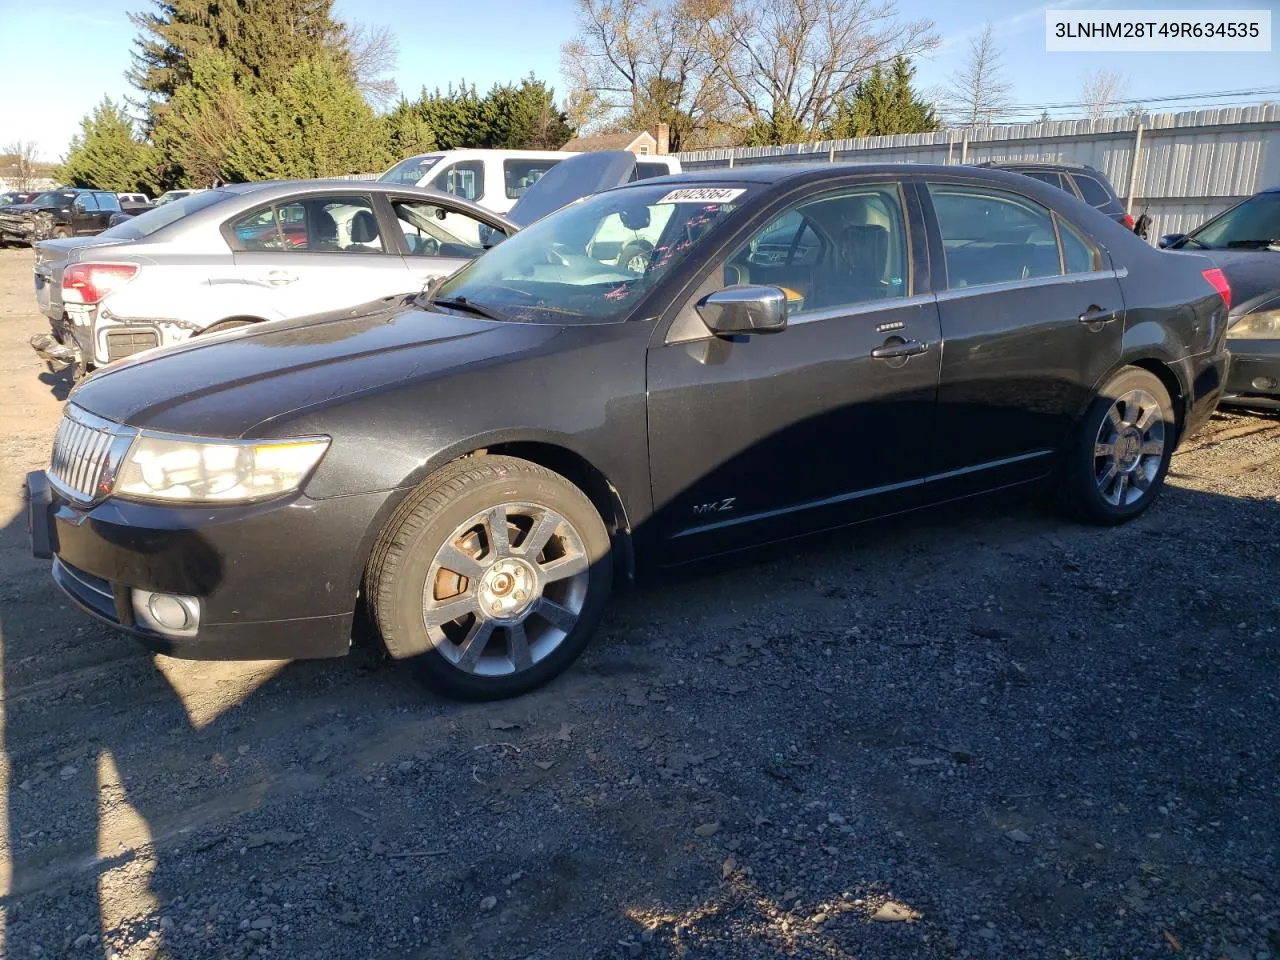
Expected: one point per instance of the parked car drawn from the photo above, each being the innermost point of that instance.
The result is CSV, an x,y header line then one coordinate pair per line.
x,y
18,196
1244,242
134,203
58,213
475,466
496,179
244,253
1088,183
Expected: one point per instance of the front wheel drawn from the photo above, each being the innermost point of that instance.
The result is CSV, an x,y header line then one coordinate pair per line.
x,y
61,233
490,579
1121,452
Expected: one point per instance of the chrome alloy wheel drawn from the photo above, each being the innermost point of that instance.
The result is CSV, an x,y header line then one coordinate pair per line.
x,y
505,589
1129,448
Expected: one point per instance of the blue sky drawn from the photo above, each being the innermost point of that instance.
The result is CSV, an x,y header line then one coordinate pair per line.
x,y
509,39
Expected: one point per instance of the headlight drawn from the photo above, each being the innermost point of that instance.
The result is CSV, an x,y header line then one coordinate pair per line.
x,y
197,470
1263,325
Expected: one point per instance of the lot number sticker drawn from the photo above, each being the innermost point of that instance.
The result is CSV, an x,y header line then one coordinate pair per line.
x,y
703,195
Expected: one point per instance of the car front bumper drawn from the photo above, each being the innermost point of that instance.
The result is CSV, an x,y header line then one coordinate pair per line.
x,y
1255,374
275,580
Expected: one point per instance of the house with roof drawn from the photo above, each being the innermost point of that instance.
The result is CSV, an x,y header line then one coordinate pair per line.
x,y
642,144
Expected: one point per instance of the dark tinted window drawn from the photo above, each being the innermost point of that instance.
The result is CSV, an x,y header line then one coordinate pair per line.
x,y
520,175
107,201
1051,177
647,168
464,179
993,237
1077,255
1092,191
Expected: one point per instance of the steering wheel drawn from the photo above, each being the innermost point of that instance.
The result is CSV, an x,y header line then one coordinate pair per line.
x,y
556,256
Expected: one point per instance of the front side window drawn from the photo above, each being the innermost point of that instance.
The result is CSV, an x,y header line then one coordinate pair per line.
x,y
409,172
432,231
565,268
312,225
836,250
520,175
1251,225
463,179
86,202
989,236
1094,193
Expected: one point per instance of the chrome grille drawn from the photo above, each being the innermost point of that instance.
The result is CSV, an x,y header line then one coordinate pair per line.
x,y
82,448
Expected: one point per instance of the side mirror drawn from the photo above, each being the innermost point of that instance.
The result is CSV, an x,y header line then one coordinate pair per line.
x,y
744,309
1169,239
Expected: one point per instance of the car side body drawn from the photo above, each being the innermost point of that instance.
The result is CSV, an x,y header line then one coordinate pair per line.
x,y
194,268
930,378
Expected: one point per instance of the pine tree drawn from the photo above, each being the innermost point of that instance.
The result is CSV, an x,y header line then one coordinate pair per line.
x,y
262,38
523,117
407,132
314,124
107,153
197,129
883,104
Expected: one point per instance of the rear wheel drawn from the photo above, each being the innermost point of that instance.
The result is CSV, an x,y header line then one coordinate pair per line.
x,y
61,233
490,579
1122,449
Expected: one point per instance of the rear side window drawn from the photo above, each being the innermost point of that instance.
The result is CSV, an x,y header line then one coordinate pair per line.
x,y
990,236
309,225
145,224
520,175
1077,255
463,179
1092,191
1051,177
107,201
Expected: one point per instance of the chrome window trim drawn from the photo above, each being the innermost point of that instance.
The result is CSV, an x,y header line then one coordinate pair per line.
x,y
1031,283
856,309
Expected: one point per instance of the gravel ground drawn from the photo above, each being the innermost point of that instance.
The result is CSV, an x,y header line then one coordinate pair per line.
x,y
989,735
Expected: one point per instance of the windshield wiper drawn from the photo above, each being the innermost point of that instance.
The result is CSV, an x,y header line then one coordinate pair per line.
x,y
462,303
1254,244
1190,239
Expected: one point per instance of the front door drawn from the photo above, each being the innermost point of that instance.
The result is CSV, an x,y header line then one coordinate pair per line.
x,y
1031,321
314,253
825,422
438,238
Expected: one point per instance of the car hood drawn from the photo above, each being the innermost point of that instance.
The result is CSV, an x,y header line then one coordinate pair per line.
x,y
242,382
17,209
1254,275
572,179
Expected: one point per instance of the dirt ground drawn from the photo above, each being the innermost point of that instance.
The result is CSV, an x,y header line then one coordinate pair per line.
x,y
990,735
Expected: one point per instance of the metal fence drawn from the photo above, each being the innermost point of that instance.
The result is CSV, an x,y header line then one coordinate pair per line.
x,y
1181,168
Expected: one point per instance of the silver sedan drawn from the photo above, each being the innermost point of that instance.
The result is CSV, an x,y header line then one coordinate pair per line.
x,y
247,253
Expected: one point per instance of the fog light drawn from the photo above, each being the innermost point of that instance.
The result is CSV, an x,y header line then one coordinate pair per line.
x,y
169,613
1264,383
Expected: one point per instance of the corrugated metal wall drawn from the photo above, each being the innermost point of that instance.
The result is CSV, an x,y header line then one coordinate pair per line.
x,y
1189,166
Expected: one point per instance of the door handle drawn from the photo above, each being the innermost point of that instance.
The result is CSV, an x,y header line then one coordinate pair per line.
x,y
896,347
1097,314
278,278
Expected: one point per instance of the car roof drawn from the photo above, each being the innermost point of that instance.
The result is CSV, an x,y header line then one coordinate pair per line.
x,y
777,173
1036,165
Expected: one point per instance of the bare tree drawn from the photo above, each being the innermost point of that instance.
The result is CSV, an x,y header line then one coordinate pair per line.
x,y
373,52
977,92
1100,91
789,63
23,166
777,67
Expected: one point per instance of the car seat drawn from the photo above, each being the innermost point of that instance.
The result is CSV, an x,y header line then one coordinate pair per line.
x,y
364,231
324,230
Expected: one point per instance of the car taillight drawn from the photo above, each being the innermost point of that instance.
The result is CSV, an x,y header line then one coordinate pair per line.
x,y
1127,221
90,282
1218,280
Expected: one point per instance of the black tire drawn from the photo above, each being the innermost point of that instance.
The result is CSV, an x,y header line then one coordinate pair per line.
x,y
61,233
635,250
226,325
1091,487
406,554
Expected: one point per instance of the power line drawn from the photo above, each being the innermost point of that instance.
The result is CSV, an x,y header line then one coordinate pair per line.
x,y
1143,101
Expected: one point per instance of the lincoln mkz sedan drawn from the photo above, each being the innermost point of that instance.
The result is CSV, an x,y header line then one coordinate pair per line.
x,y
803,348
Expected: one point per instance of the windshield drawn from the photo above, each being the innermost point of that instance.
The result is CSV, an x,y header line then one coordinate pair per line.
x,y
54,198
592,261
409,172
1254,223
145,224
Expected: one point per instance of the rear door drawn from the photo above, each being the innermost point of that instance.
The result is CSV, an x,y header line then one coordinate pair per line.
x,y
316,252
1032,319
826,422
